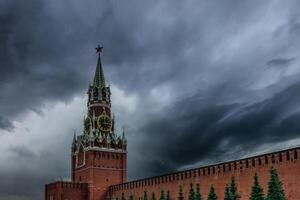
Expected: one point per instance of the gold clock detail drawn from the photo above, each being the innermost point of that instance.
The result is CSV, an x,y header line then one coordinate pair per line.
x,y
104,122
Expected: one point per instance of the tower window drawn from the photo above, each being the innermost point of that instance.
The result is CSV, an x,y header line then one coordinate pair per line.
x,y
266,160
247,164
253,162
287,155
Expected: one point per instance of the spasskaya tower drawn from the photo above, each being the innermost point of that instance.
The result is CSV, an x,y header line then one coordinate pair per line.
x,y
99,156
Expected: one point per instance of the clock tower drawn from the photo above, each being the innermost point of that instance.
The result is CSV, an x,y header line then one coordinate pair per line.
x,y
99,155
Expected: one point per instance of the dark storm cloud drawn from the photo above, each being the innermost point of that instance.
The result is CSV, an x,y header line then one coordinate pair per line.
x,y
203,130
210,55
281,62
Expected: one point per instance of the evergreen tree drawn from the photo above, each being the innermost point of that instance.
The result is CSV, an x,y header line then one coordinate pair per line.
x,y
131,196
153,196
162,195
191,192
198,195
180,195
227,193
212,194
168,195
233,194
123,196
257,191
145,195
275,191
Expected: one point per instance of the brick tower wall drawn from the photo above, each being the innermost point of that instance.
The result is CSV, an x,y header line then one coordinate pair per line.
x,y
66,190
286,162
101,169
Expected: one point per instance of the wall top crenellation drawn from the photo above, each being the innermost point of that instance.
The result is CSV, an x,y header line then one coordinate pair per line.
x,y
217,168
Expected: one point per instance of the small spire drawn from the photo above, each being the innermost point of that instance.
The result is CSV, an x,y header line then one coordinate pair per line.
x,y
99,80
123,134
74,137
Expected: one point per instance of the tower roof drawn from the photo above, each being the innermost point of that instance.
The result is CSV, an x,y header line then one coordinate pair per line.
x,y
99,80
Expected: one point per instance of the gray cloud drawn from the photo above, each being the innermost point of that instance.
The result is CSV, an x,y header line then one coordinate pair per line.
x,y
6,124
205,60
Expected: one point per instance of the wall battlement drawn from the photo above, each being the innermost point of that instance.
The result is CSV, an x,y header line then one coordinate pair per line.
x,y
76,190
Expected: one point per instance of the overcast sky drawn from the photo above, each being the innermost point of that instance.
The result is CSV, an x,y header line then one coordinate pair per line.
x,y
193,82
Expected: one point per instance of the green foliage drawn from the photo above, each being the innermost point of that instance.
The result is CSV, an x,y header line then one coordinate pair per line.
x,y
162,195
145,195
153,196
257,191
131,196
191,192
123,196
275,190
233,193
198,195
227,193
168,195
180,195
212,194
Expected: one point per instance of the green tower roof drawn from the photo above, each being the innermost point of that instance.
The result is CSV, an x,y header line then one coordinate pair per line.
x,y
99,80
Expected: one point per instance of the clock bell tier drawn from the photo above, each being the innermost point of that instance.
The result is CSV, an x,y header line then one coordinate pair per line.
x,y
98,131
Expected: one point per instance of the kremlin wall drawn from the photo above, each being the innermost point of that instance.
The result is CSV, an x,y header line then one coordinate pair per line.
x,y
286,162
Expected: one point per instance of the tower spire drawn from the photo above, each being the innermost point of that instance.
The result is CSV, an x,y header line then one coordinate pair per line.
x,y
99,80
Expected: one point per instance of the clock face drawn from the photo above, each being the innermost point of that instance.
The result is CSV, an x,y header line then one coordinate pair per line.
x,y
104,123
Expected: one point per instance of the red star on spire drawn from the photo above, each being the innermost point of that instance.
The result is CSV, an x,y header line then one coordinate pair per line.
x,y
99,49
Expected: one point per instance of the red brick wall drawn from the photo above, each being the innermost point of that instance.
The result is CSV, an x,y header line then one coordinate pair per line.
x,y
101,169
66,190
286,162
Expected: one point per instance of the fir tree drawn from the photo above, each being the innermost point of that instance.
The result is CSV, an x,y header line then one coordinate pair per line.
x,y
233,194
191,192
153,196
123,196
275,191
227,193
180,195
212,193
131,196
257,191
198,195
145,195
168,195
162,195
